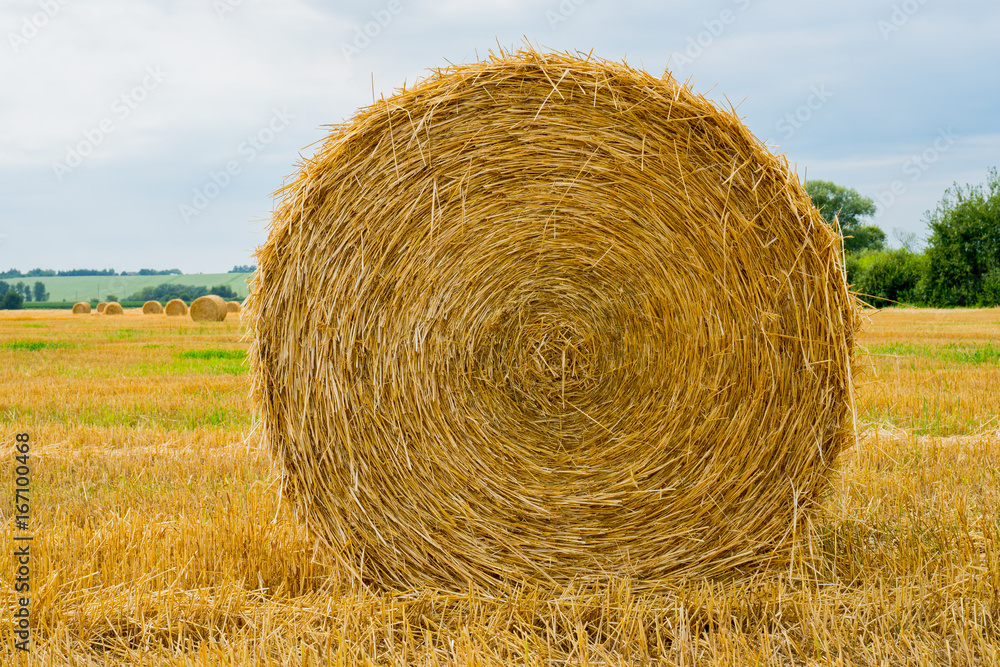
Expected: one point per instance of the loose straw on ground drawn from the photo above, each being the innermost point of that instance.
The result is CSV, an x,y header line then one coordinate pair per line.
x,y
545,318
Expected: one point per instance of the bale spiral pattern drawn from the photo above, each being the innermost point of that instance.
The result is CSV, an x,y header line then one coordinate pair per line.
x,y
113,308
546,319
152,308
81,308
101,306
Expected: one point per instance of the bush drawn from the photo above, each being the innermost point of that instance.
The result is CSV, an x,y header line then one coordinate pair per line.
x,y
989,297
888,276
12,301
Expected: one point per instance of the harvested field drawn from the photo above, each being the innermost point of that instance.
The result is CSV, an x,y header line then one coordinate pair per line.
x,y
154,540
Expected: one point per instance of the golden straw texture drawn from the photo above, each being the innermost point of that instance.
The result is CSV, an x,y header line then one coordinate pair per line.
x,y
152,308
210,308
81,308
550,319
113,308
175,307
101,306
233,307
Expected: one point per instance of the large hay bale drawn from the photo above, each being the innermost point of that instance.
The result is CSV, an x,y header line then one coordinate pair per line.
x,y
101,306
209,308
175,307
233,307
548,319
152,308
81,308
113,308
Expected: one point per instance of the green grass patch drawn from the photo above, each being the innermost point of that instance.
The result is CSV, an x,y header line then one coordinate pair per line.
x,y
975,354
196,362
964,353
34,345
122,334
233,355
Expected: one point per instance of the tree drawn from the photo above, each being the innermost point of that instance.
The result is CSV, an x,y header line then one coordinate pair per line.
x,y
23,290
850,209
964,247
243,268
41,294
12,301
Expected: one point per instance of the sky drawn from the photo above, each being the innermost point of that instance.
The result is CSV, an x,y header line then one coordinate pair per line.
x,y
153,133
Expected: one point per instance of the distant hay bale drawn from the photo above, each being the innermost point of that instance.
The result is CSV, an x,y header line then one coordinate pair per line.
x,y
209,308
550,319
233,307
114,308
152,308
101,306
81,308
175,307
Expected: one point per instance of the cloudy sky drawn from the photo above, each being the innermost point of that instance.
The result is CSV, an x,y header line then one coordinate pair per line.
x,y
151,133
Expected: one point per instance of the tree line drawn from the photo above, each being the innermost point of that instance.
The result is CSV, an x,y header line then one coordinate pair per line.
x,y
960,265
167,291
51,273
13,297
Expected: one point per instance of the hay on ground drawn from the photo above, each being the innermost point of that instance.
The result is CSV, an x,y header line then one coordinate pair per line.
x,y
152,308
210,308
114,308
175,307
233,307
81,308
546,319
101,306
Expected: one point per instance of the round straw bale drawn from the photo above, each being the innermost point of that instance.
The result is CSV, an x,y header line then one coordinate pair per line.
x,y
550,319
101,306
114,308
81,308
176,307
152,308
233,307
210,308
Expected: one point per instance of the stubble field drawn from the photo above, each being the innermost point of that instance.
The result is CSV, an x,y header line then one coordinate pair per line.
x,y
159,537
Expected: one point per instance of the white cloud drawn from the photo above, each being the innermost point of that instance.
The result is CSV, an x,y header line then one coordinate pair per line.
x,y
226,74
